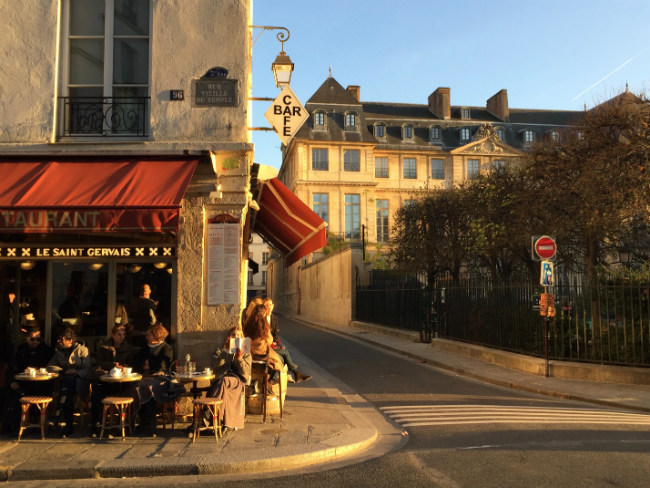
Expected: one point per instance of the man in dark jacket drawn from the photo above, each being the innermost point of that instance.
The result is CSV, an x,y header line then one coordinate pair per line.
x,y
33,353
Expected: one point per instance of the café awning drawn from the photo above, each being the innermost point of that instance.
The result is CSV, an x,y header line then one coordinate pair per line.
x,y
92,195
287,223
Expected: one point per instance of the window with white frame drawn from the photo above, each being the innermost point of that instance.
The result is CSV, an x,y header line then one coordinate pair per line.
x,y
107,65
351,160
529,136
319,159
265,258
381,167
554,136
410,171
319,120
437,169
320,205
250,276
352,216
464,113
409,203
407,132
380,130
350,121
434,134
464,134
472,168
264,273
382,221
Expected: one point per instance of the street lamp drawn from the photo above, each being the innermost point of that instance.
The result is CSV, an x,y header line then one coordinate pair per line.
x,y
282,66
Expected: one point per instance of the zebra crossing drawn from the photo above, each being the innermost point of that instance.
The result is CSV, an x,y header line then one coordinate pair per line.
x,y
431,415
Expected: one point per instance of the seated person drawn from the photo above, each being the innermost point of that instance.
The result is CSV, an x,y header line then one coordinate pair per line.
x,y
153,361
279,347
114,352
232,372
33,353
257,327
71,360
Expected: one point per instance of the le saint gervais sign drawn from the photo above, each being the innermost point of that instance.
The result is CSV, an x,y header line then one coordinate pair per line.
x,y
94,252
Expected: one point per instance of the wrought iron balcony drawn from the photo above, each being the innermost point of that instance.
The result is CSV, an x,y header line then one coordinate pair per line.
x,y
105,116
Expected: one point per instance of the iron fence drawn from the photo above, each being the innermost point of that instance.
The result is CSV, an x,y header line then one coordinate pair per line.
x,y
105,116
606,322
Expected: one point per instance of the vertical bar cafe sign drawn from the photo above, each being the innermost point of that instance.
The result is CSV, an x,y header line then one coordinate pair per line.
x,y
223,262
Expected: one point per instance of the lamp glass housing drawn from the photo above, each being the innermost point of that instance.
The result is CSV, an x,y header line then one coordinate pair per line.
x,y
282,68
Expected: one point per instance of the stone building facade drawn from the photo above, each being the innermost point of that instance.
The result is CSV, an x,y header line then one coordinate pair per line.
x,y
155,93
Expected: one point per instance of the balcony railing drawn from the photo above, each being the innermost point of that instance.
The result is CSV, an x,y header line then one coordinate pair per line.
x,y
105,117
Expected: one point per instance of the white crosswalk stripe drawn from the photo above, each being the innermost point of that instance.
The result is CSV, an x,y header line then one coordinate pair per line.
x,y
422,415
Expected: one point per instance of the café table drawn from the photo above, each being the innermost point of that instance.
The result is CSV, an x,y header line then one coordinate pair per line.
x,y
194,378
39,376
123,380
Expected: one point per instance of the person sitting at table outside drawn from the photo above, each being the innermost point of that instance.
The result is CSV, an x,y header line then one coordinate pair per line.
x,y
33,353
114,352
232,372
71,360
279,347
250,309
153,361
258,329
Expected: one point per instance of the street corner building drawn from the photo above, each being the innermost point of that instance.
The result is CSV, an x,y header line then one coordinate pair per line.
x,y
125,158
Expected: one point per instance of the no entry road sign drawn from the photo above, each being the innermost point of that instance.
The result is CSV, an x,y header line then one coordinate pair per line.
x,y
545,247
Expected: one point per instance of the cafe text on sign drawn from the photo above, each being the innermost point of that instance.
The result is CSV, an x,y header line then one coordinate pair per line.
x,y
286,114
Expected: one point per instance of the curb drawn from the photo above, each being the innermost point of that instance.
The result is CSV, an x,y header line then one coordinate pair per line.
x,y
469,374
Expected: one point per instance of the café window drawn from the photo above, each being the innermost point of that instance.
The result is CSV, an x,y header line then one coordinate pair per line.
x,y
88,296
106,68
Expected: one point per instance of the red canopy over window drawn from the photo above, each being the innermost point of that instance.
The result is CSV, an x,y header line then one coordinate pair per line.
x,y
92,196
287,223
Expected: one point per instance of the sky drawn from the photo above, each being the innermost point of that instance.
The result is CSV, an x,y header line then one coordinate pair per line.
x,y
549,54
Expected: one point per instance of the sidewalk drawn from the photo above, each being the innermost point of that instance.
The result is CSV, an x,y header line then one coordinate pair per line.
x,y
319,425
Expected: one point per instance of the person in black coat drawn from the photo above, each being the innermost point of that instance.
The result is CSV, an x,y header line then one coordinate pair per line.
x,y
33,353
152,361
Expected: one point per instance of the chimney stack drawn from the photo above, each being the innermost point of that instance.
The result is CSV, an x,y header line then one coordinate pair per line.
x,y
497,105
439,103
355,91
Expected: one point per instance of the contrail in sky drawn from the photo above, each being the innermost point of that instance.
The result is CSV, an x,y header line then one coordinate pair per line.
x,y
609,74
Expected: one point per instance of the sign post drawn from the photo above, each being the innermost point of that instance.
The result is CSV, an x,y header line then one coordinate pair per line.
x,y
286,115
544,249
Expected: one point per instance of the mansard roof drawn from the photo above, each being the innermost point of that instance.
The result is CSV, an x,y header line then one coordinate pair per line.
x,y
335,102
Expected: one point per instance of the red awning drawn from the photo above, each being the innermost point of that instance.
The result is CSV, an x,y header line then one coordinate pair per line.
x,y
287,223
92,196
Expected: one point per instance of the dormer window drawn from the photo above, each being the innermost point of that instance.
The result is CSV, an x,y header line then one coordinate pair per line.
x,y
464,113
434,134
350,121
554,136
407,132
380,131
464,134
501,134
529,136
319,120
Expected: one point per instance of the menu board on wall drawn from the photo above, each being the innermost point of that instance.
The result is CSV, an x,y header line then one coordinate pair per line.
x,y
223,264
